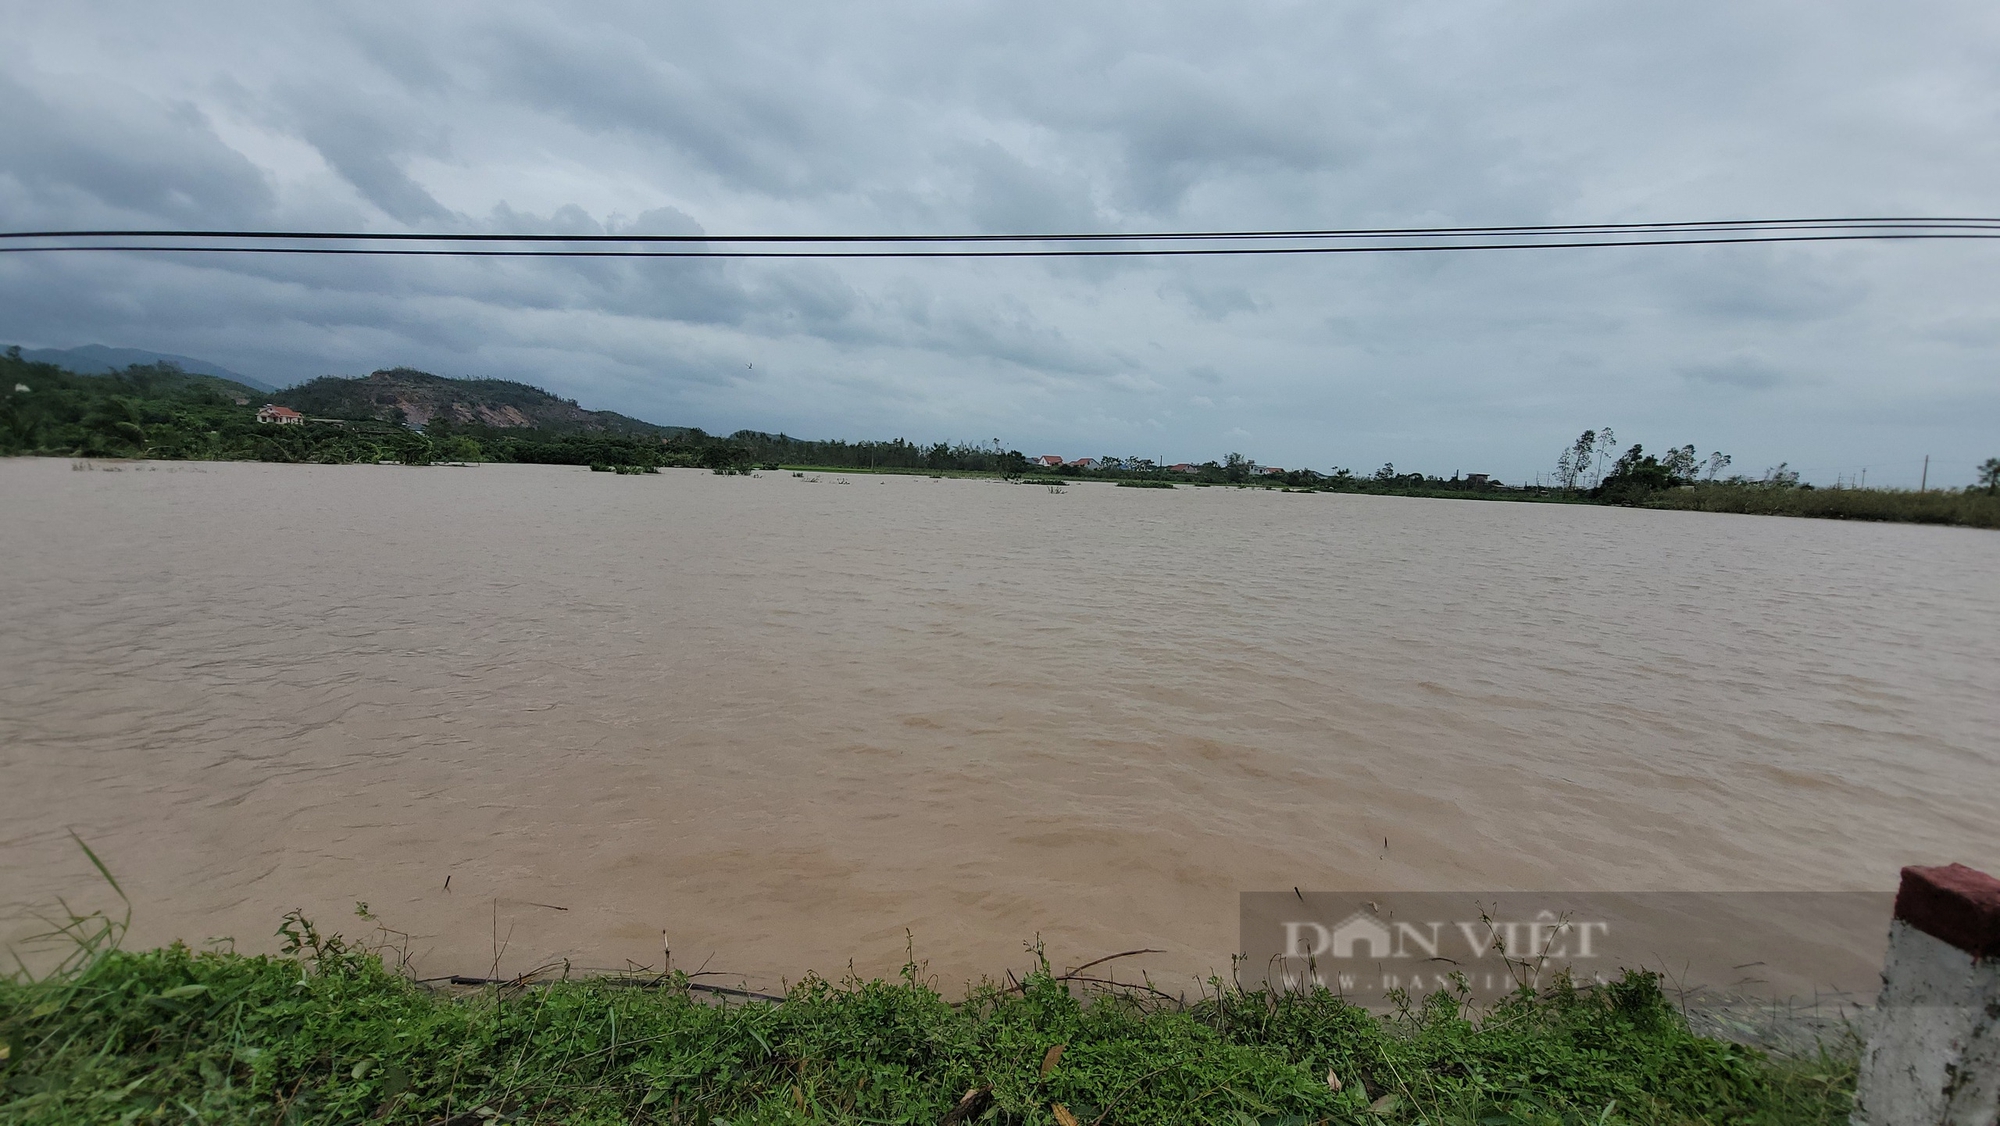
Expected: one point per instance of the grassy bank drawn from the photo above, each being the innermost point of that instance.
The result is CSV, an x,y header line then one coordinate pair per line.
x,y
1966,508
1969,508
331,1036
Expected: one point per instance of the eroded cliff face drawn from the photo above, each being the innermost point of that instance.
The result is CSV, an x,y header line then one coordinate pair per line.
x,y
420,409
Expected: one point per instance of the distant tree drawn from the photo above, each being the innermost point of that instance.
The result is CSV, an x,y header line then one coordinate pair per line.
x,y
1781,476
1989,475
1681,464
415,449
1635,471
724,455
1575,461
1606,443
1237,468
1716,463
1387,473
458,448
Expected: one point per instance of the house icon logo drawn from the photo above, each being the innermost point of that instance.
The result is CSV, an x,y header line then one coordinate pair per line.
x,y
1362,929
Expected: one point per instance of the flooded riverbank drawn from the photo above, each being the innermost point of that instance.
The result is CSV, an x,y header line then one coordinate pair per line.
x,y
780,721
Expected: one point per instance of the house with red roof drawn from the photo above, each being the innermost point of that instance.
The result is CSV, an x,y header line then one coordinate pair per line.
x,y
282,416
1050,460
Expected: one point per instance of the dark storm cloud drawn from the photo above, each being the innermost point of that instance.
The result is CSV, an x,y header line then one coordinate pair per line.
x,y
367,139
734,121
89,151
583,119
999,191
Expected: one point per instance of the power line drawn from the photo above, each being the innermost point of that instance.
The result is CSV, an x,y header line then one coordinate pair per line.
x,y
1690,227
1147,244
1135,252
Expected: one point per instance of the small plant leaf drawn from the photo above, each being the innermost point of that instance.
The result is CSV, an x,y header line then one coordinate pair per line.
x,y
101,869
1050,1060
1063,1116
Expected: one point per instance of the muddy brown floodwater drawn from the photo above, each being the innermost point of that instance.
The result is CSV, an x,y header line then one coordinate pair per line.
x,y
784,721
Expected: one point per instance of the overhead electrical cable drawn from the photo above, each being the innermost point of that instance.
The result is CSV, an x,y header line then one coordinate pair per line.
x,y
1072,245
1885,222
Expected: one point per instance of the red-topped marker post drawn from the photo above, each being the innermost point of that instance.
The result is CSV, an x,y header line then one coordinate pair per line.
x,y
1933,1056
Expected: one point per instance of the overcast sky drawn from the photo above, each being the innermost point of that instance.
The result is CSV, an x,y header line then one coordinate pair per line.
x,y
954,117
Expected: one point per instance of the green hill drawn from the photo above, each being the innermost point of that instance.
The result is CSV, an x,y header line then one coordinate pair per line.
x,y
161,411
96,359
154,410
416,398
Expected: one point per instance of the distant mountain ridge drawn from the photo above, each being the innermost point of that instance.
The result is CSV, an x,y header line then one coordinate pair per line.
x,y
417,398
98,359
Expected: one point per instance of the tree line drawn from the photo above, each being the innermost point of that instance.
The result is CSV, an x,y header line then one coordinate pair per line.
x,y
160,411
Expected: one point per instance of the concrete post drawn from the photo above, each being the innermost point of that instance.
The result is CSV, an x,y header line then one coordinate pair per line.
x,y
1933,1055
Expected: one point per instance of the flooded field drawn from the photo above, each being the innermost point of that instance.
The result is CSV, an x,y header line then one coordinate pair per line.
x,y
779,722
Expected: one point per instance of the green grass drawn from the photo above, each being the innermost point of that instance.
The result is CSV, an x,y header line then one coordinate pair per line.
x,y
327,1034
1968,508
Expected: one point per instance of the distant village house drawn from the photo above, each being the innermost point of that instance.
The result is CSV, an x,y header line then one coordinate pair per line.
x,y
282,416
1084,463
1050,460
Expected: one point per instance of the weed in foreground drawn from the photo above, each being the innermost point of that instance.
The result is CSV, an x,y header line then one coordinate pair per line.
x,y
329,1033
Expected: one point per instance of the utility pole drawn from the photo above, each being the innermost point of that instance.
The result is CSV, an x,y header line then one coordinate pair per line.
x,y
1925,481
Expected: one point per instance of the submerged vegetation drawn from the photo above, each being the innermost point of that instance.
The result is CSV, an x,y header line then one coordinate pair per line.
x,y
332,1033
